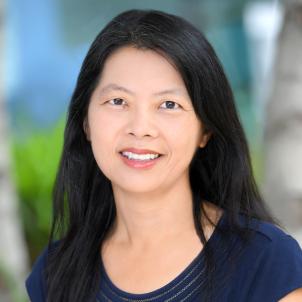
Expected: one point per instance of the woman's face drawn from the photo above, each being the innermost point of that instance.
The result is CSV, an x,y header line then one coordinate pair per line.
x,y
141,105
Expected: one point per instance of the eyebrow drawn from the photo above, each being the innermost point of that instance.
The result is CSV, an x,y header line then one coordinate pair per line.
x,y
115,87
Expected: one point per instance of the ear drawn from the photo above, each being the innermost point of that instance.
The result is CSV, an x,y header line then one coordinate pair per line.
x,y
205,137
86,129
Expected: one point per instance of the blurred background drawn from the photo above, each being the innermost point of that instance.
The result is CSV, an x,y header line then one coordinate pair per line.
x,y
42,46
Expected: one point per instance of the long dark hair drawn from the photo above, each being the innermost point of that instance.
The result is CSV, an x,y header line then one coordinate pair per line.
x,y
83,203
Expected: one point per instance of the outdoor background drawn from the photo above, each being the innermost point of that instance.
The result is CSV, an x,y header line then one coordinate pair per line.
x,y
42,46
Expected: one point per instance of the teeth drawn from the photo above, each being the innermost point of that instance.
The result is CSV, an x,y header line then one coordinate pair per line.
x,y
131,155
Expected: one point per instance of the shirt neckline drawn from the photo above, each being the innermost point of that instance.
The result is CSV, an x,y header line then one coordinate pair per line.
x,y
171,284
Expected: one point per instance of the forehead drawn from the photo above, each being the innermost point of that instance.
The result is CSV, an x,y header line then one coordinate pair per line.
x,y
129,66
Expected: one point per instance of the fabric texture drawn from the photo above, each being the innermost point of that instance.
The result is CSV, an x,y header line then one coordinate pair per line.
x,y
268,268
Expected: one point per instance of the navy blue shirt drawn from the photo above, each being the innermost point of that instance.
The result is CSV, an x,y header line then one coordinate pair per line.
x,y
268,268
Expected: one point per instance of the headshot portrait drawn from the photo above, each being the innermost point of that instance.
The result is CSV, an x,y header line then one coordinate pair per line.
x,y
155,196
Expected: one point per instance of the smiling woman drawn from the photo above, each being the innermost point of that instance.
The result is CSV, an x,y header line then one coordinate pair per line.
x,y
144,116
155,198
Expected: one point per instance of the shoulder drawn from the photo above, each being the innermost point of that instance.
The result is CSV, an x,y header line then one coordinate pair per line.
x,y
274,246
35,282
274,241
271,264
272,232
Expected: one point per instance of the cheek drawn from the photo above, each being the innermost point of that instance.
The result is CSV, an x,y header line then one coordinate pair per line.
x,y
184,135
102,126
102,137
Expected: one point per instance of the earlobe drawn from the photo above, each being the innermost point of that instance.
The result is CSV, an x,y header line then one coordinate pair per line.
x,y
205,138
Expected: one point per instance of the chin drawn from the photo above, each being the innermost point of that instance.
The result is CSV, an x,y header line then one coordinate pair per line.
x,y
137,187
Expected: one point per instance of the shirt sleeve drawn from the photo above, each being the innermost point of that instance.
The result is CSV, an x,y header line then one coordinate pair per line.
x,y
35,283
279,270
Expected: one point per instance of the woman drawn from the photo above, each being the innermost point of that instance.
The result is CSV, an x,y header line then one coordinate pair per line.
x,y
155,198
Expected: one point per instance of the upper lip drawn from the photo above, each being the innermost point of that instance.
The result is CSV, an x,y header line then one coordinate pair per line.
x,y
139,151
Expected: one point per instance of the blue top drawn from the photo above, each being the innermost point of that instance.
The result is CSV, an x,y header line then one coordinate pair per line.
x,y
269,268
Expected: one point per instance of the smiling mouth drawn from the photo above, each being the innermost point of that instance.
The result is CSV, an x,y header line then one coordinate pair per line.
x,y
140,157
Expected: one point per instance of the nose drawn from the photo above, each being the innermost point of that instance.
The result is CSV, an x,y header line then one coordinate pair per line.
x,y
141,123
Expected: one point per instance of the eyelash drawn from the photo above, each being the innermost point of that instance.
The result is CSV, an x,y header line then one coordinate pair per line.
x,y
162,103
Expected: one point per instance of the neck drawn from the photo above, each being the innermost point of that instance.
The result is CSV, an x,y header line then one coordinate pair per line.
x,y
144,219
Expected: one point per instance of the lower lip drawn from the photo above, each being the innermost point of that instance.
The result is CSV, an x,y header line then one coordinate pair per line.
x,y
140,164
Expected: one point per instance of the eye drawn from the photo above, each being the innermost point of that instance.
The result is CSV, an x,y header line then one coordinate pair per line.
x,y
171,105
116,101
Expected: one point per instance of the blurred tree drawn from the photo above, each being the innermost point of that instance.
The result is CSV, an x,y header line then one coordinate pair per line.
x,y
13,257
283,136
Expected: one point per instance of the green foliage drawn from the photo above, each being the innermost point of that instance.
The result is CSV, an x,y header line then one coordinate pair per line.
x,y
35,162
